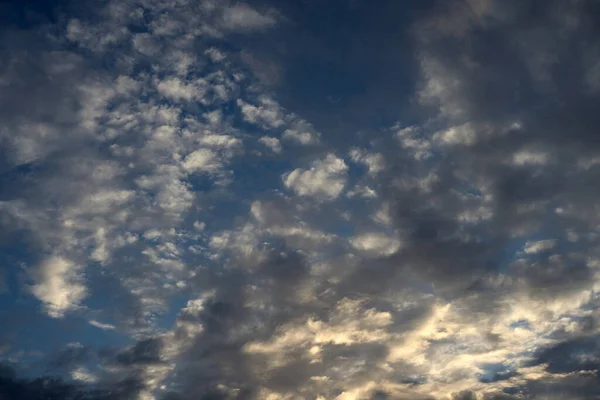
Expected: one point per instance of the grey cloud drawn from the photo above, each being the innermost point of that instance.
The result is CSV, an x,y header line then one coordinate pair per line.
x,y
147,351
242,17
573,355
216,356
13,387
522,196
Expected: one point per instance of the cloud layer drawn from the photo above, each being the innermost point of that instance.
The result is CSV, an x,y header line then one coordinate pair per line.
x,y
180,218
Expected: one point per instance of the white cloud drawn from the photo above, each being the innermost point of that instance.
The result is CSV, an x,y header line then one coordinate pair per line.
x,y
363,191
539,246
272,143
375,162
383,215
349,322
410,139
304,138
326,178
302,237
214,117
100,325
126,85
59,286
244,243
203,160
457,135
173,196
83,375
242,17
268,113
146,44
176,89
97,38
103,201
530,157
376,243
215,54
224,142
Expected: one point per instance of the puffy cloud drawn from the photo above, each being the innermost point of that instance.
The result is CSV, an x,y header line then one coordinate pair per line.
x,y
539,246
463,134
529,157
81,374
374,162
272,143
59,285
201,160
304,138
326,178
220,141
175,89
410,139
242,17
376,243
268,113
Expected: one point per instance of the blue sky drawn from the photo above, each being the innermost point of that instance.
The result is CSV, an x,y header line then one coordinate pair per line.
x,y
299,200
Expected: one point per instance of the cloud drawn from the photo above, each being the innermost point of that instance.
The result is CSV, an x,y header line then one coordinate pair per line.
x,y
268,113
59,286
304,138
374,162
143,352
52,387
81,374
409,139
201,160
531,158
101,325
326,178
272,143
242,17
175,89
539,246
463,135
377,243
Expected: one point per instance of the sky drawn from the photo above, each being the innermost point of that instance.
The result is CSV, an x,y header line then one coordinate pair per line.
x,y
299,200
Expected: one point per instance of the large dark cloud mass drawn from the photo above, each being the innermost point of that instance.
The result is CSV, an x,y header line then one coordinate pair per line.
x,y
264,200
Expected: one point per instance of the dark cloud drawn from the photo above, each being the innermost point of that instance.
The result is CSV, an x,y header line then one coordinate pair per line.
x,y
216,356
575,355
147,351
55,388
483,71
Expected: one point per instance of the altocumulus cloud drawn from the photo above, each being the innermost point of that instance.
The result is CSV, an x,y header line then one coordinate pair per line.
x,y
186,214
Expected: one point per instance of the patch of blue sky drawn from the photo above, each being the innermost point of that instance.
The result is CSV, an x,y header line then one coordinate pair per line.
x,y
166,321
494,372
29,14
33,336
522,323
